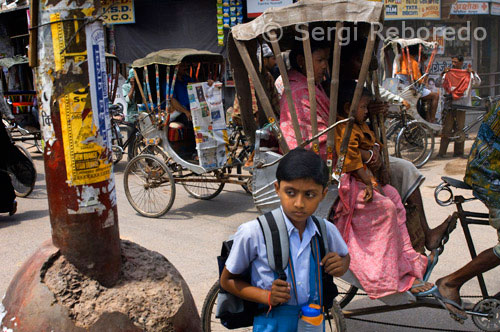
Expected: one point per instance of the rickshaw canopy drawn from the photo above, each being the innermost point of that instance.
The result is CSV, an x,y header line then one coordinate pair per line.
x,y
173,57
410,42
309,11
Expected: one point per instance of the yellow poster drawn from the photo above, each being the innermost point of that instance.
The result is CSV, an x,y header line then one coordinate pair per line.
x,y
412,9
118,11
84,153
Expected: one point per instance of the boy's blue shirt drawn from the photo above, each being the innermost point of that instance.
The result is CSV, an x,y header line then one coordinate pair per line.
x,y
249,251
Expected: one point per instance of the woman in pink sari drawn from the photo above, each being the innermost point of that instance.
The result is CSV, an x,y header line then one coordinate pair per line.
x,y
298,84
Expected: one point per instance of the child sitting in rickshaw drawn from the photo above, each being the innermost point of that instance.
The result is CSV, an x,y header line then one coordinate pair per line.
x,y
371,217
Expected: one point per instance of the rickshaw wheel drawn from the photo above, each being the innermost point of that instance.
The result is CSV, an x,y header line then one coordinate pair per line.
x,y
210,323
346,292
149,185
491,307
202,190
38,145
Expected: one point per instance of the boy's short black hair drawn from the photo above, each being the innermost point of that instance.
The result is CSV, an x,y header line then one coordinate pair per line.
x,y
300,163
460,58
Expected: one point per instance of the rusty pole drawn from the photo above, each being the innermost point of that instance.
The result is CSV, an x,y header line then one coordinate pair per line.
x,y
75,125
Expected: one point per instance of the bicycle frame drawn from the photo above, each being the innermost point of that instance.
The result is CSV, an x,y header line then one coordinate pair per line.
x,y
466,218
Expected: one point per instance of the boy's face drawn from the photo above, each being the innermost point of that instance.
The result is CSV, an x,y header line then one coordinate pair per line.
x,y
362,112
299,198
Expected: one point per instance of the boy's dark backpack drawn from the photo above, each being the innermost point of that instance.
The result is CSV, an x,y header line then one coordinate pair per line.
x,y
235,312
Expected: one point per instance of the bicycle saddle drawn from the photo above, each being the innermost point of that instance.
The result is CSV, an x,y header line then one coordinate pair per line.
x,y
456,183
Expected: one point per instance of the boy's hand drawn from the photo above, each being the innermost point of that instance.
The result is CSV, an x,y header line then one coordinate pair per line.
x,y
335,265
280,292
368,193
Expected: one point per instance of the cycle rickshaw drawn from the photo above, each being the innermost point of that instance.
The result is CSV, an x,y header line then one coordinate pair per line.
x,y
411,135
19,93
169,156
242,44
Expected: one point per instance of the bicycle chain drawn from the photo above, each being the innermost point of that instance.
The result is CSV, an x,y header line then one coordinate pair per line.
x,y
407,326
462,296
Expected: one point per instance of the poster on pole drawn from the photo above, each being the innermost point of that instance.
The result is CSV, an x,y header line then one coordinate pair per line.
x,y
209,124
86,152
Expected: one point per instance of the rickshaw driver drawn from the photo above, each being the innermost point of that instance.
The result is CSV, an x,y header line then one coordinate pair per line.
x,y
483,175
403,76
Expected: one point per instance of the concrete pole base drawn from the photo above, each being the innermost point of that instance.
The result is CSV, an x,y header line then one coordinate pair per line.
x,y
50,294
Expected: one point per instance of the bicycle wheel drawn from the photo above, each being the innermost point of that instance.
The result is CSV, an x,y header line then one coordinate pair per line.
x,y
412,142
117,143
210,323
392,134
431,142
149,185
199,188
346,292
27,172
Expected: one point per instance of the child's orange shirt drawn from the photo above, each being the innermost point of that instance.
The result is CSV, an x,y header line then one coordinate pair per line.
x,y
362,137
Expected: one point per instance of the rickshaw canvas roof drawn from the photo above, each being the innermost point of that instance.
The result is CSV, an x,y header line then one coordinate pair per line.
x,y
172,57
12,61
410,42
308,11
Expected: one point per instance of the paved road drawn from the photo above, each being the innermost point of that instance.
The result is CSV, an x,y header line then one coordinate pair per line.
x,y
191,233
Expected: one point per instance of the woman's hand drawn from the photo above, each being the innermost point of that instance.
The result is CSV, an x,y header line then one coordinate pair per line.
x,y
335,265
368,196
280,292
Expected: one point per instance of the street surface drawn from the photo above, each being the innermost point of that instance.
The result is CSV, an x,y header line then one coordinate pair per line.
x,y
190,236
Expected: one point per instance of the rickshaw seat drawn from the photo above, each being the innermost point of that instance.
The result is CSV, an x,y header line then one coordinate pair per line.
x,y
393,299
456,183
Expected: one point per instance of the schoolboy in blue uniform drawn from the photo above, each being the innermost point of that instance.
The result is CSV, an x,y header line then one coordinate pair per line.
x,y
302,177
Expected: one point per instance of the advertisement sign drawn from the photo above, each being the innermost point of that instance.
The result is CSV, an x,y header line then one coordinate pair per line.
x,y
470,8
495,8
118,11
257,7
412,9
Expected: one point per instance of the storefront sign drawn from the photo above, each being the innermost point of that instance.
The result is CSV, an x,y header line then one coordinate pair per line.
x,y
412,9
470,8
118,11
495,8
257,7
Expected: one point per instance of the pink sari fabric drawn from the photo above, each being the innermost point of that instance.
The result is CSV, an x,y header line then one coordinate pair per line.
x,y
382,257
300,95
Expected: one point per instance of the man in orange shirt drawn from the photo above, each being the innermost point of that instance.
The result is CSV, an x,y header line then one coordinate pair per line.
x,y
410,69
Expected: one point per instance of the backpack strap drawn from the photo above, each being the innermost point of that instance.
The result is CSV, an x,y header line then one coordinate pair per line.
x,y
276,239
320,223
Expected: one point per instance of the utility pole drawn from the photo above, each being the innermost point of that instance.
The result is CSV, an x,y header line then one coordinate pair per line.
x,y
72,88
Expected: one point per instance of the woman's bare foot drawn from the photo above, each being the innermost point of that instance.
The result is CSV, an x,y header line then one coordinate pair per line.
x,y
433,238
420,286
